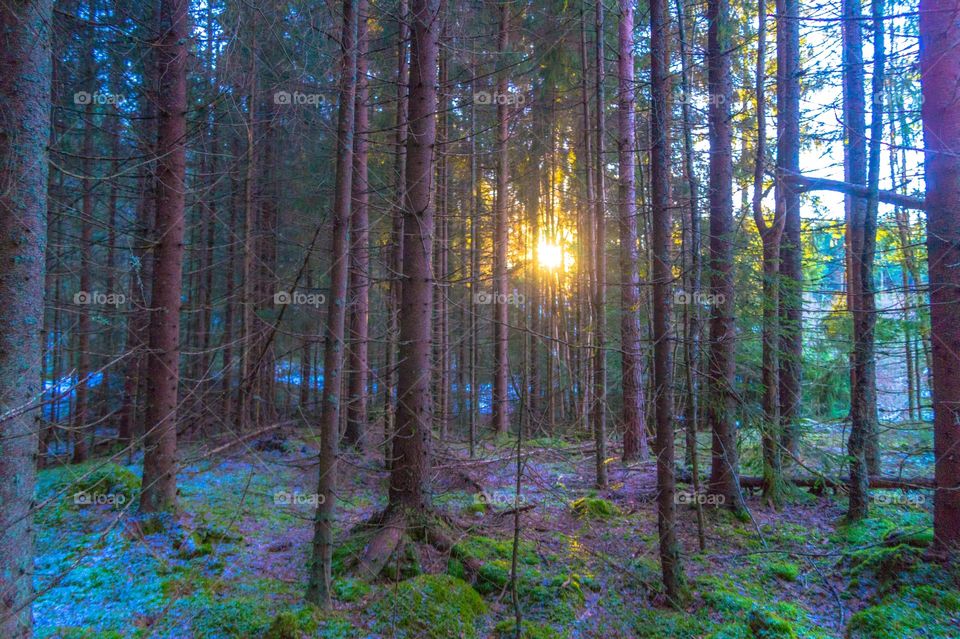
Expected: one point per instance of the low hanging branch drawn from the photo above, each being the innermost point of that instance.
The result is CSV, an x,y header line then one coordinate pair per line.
x,y
804,183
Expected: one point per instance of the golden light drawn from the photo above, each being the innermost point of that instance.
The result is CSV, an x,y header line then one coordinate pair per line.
x,y
550,256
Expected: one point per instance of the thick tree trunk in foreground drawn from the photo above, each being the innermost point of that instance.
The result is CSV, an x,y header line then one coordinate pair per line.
x,y
940,80
634,434
720,374
411,443
501,334
318,586
163,368
25,69
662,276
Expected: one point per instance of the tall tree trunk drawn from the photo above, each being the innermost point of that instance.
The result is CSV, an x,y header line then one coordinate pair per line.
x,y
318,586
501,334
411,442
940,80
770,238
80,434
396,255
634,435
359,289
598,411
724,470
25,68
163,375
662,296
855,172
791,275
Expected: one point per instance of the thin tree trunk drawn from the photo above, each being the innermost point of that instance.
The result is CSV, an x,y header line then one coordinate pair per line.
x,y
662,297
791,275
501,335
598,411
359,289
318,586
634,434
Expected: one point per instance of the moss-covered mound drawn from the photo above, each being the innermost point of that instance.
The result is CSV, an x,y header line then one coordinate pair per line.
x,y
430,607
594,508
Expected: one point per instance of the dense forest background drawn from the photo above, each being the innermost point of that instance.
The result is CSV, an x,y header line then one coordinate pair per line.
x,y
410,318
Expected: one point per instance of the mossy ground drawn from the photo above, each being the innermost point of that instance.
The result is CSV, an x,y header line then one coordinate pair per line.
x,y
232,562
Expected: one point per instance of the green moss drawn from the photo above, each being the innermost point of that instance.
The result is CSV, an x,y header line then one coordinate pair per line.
x,y
918,611
348,551
507,629
767,625
784,570
348,589
109,483
594,508
73,632
653,623
236,618
431,607
307,621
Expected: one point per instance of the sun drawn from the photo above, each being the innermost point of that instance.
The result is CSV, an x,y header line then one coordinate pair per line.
x,y
550,256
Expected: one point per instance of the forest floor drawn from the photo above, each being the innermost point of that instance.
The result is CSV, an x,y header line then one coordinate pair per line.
x,y
233,562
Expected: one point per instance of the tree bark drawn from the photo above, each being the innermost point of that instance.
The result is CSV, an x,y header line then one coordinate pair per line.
x,y
159,490
791,274
634,434
411,441
501,334
862,385
359,288
720,374
662,297
940,81
318,585
25,71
